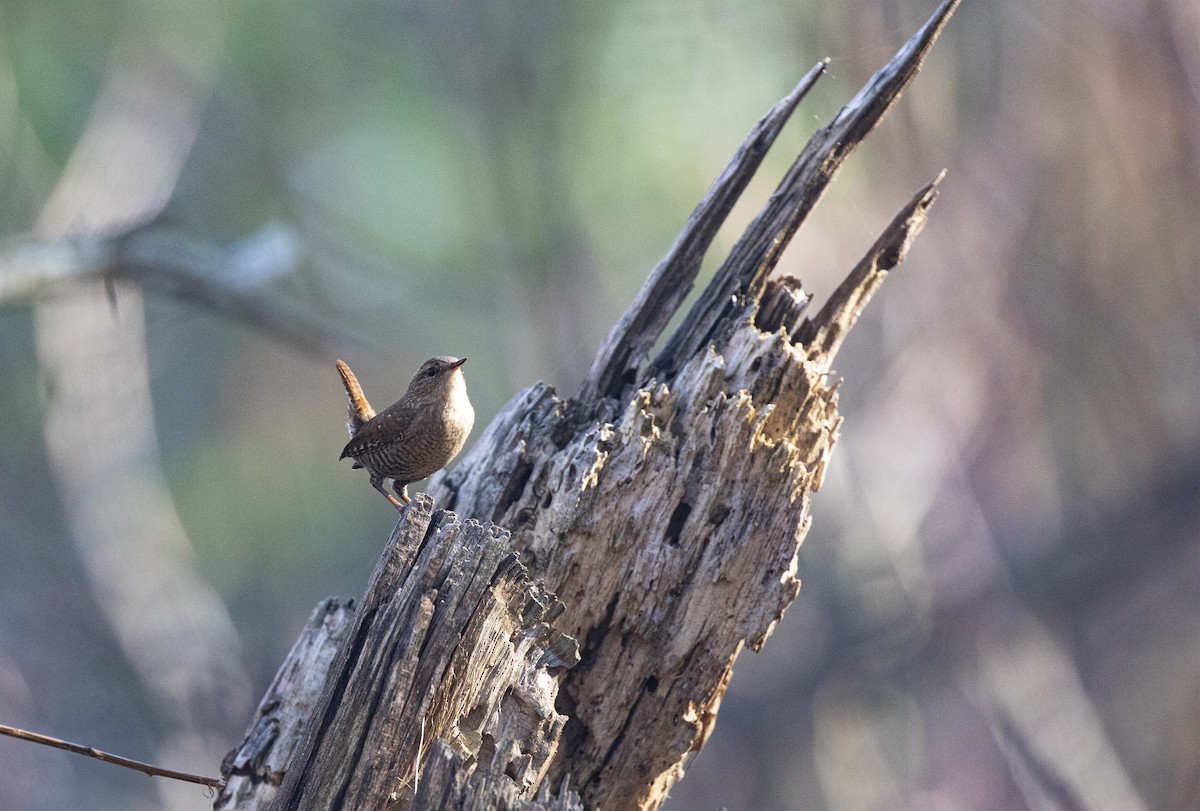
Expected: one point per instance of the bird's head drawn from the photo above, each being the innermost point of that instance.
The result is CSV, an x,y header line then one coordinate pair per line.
x,y
437,375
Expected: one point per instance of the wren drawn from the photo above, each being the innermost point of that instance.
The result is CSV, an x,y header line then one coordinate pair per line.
x,y
414,437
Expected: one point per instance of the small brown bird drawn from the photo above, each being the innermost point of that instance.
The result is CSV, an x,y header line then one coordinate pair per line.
x,y
417,435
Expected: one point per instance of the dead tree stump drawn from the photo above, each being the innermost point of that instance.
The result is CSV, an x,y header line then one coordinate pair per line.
x,y
655,520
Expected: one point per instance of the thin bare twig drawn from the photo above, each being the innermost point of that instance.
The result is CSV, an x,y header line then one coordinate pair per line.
x,y
136,765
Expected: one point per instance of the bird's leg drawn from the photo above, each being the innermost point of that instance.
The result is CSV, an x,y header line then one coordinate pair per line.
x,y
399,505
377,483
402,491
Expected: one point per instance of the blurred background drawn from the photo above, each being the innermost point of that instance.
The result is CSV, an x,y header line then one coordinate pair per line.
x,y
1001,595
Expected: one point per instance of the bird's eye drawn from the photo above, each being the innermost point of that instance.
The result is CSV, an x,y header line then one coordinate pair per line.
x,y
431,372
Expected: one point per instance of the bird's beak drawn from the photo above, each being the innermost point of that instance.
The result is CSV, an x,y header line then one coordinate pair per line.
x,y
458,363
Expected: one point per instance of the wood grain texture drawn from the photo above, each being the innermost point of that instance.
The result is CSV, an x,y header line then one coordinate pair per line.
x,y
670,533
446,783
452,641
255,768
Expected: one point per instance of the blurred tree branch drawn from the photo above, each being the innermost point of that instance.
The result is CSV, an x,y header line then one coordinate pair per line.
x,y
97,419
237,281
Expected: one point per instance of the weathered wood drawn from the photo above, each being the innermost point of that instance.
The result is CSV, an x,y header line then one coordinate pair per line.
x,y
452,642
668,518
448,782
664,505
671,534
740,279
254,770
824,333
626,348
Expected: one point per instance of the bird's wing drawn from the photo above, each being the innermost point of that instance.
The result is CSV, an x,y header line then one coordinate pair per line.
x,y
389,426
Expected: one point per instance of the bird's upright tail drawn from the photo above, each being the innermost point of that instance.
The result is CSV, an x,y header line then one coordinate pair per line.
x,y
358,410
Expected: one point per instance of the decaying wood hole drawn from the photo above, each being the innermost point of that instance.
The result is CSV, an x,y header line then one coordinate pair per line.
x,y
654,518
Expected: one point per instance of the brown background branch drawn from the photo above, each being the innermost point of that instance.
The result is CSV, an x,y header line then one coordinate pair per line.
x,y
128,763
